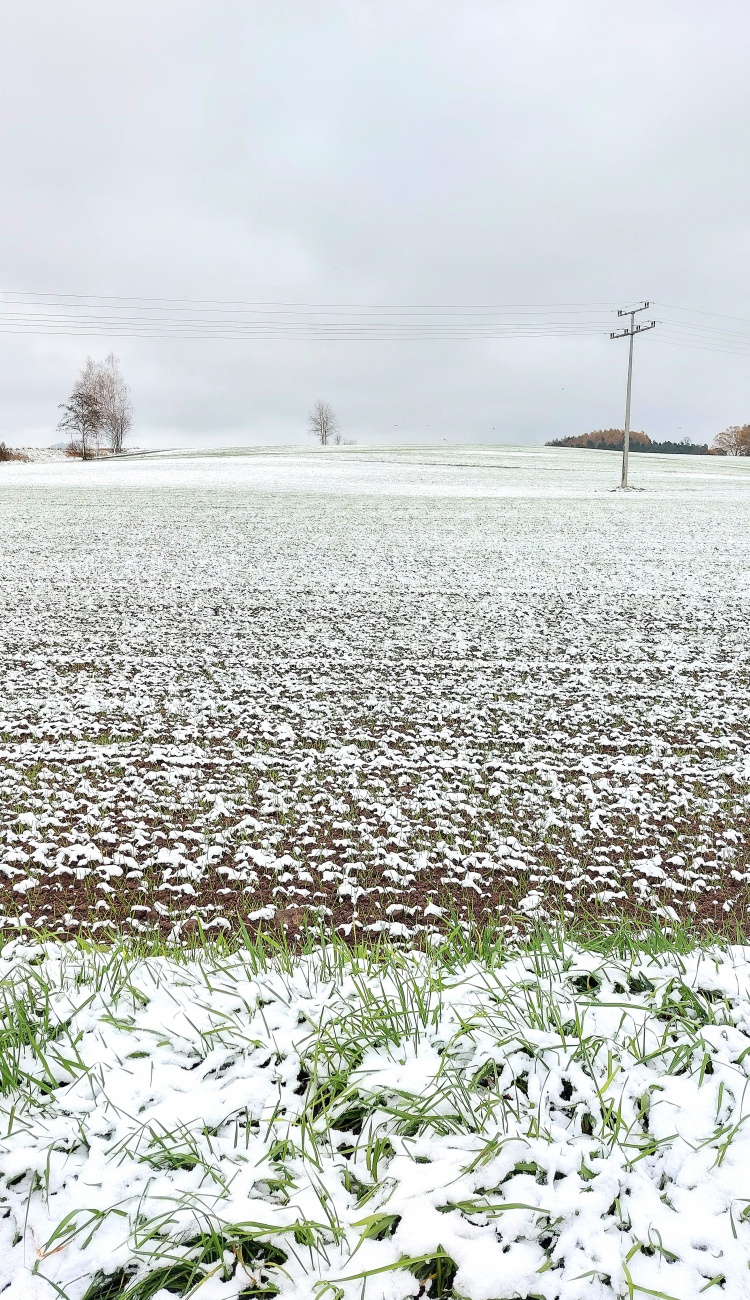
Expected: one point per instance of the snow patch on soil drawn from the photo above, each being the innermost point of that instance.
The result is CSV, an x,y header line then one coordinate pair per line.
x,y
556,1126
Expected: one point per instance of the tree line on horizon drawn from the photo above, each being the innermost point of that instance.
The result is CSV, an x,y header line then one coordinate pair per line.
x,y
734,441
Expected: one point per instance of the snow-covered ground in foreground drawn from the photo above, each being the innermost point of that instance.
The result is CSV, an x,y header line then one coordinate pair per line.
x,y
368,687
558,1126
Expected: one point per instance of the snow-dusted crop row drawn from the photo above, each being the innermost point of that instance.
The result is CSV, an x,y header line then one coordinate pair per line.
x,y
559,1126
238,705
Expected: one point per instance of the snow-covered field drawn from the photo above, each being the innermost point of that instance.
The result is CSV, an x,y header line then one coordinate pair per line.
x,y
383,693
370,688
554,1125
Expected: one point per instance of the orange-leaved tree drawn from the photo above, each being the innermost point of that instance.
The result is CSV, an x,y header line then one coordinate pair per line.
x,y
603,440
734,441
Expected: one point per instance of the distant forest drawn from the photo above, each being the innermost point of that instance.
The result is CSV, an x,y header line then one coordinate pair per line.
x,y
611,440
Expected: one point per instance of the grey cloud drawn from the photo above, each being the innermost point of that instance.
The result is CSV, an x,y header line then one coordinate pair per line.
x,y
381,151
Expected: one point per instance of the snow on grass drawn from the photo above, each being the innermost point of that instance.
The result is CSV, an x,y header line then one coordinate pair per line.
x,y
553,1123
372,689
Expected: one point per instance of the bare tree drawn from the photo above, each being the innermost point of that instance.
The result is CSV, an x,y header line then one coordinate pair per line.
x,y
323,425
98,406
734,441
82,414
117,408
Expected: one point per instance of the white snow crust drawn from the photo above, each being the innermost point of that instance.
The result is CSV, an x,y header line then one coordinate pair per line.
x,y
365,687
450,471
560,1125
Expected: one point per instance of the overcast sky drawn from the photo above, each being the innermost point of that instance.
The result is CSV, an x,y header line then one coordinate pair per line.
x,y
380,151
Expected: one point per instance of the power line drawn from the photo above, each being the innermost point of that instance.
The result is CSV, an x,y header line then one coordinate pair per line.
x,y
130,316
281,321
239,302
701,347
696,311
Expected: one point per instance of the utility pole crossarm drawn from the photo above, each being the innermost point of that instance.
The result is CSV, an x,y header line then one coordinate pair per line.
x,y
623,334
630,334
